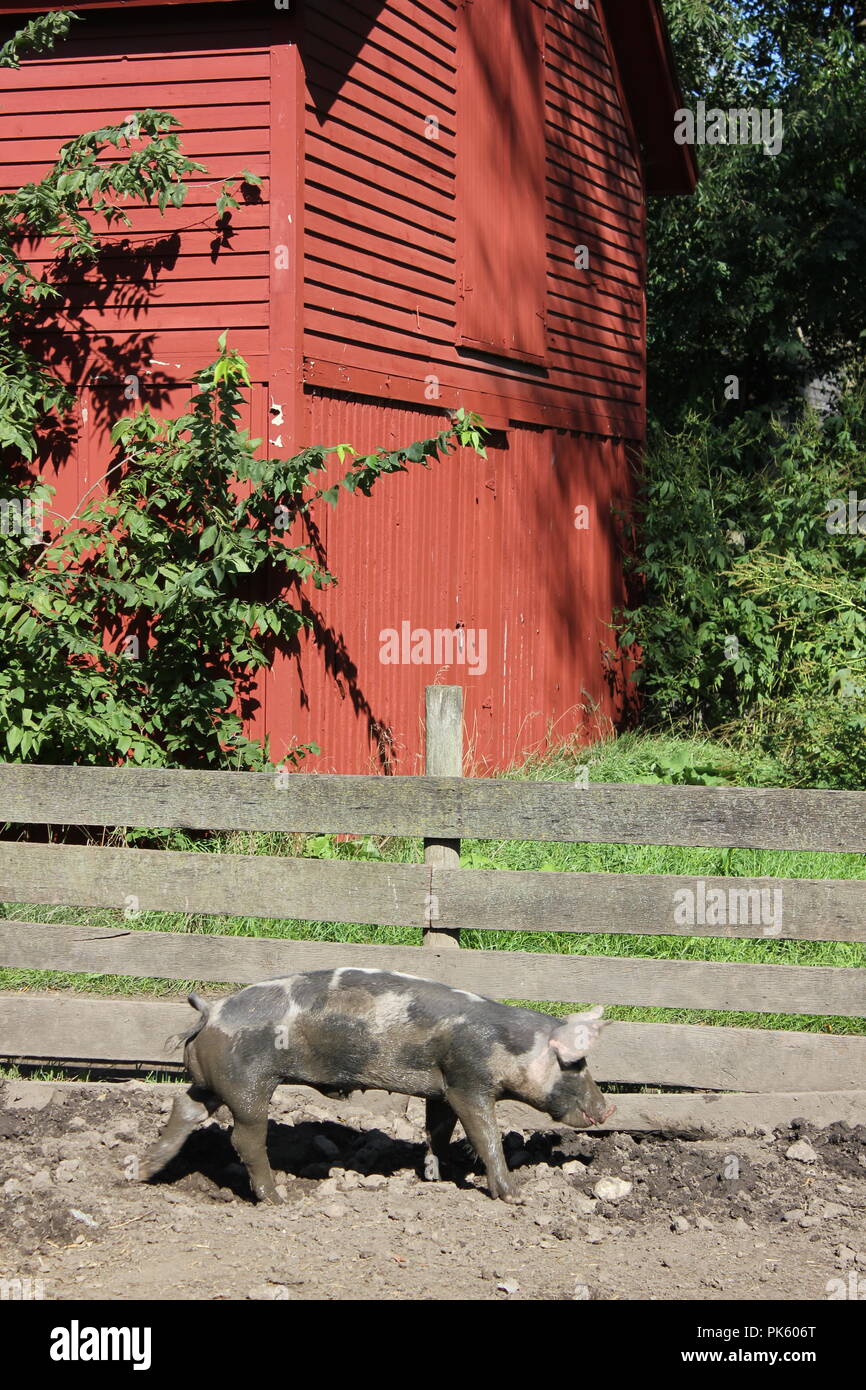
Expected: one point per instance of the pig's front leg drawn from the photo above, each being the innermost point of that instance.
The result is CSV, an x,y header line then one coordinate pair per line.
x,y
440,1126
477,1114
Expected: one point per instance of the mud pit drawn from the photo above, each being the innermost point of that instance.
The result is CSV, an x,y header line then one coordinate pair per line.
x,y
705,1219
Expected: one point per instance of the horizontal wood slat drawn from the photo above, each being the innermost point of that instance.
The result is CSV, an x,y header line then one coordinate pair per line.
x,y
237,884
708,1113
739,1059
713,1113
524,975
484,808
638,904
390,894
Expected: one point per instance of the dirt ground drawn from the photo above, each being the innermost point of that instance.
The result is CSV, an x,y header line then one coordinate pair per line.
x,y
740,1218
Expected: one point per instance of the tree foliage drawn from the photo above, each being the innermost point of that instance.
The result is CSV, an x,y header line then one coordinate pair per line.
x,y
750,586
759,273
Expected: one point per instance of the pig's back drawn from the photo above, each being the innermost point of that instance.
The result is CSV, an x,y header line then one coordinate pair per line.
x,y
389,1001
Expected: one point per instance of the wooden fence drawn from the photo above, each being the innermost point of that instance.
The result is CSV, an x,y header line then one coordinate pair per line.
x,y
773,1075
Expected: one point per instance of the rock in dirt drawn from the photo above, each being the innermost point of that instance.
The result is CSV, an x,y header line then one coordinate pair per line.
x,y
680,1225
802,1152
833,1209
612,1189
325,1147
66,1169
83,1217
585,1206
27,1095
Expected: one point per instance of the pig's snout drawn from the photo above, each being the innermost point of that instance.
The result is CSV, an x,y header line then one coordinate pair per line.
x,y
599,1119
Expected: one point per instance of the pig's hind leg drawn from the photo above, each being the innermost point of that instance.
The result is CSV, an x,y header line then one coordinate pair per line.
x,y
441,1120
189,1109
249,1107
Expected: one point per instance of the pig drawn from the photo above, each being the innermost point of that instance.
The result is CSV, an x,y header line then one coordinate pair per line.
x,y
356,1029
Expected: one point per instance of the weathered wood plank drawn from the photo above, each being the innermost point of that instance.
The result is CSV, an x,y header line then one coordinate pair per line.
x,y
525,975
652,904
443,748
390,894
437,807
712,1113
661,1054
237,884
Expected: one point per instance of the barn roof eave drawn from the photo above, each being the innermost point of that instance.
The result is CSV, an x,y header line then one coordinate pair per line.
x,y
641,44
647,71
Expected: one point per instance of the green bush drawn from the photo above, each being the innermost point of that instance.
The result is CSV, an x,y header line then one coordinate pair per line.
x,y
137,633
749,587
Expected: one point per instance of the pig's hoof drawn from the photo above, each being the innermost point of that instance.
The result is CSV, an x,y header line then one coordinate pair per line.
x,y
272,1198
507,1192
431,1168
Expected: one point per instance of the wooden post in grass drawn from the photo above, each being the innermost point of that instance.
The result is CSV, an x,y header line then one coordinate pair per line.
x,y
443,757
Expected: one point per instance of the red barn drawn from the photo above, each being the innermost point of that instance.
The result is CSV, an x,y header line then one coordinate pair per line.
x,y
453,211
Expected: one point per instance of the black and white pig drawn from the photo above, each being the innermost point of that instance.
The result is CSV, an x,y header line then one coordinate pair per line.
x,y
353,1029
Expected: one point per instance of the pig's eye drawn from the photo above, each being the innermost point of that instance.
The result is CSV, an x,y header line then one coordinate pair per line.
x,y
579,1065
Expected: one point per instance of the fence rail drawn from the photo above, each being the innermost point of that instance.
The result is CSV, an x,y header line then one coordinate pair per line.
x,y
389,894
448,808
523,975
656,1054
752,1075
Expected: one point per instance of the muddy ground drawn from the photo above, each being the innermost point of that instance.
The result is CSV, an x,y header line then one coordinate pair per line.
x,y
743,1218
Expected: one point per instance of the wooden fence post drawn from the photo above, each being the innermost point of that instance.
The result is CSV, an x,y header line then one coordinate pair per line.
x,y
443,757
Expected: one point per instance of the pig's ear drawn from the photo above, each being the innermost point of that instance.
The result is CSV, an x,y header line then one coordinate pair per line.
x,y
577,1034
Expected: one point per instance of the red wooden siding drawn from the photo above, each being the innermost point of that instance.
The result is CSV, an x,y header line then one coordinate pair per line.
x,y
216,80
171,296
381,218
501,252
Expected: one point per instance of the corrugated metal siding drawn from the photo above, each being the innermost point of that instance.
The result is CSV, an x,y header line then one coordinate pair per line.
x,y
381,272
489,544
